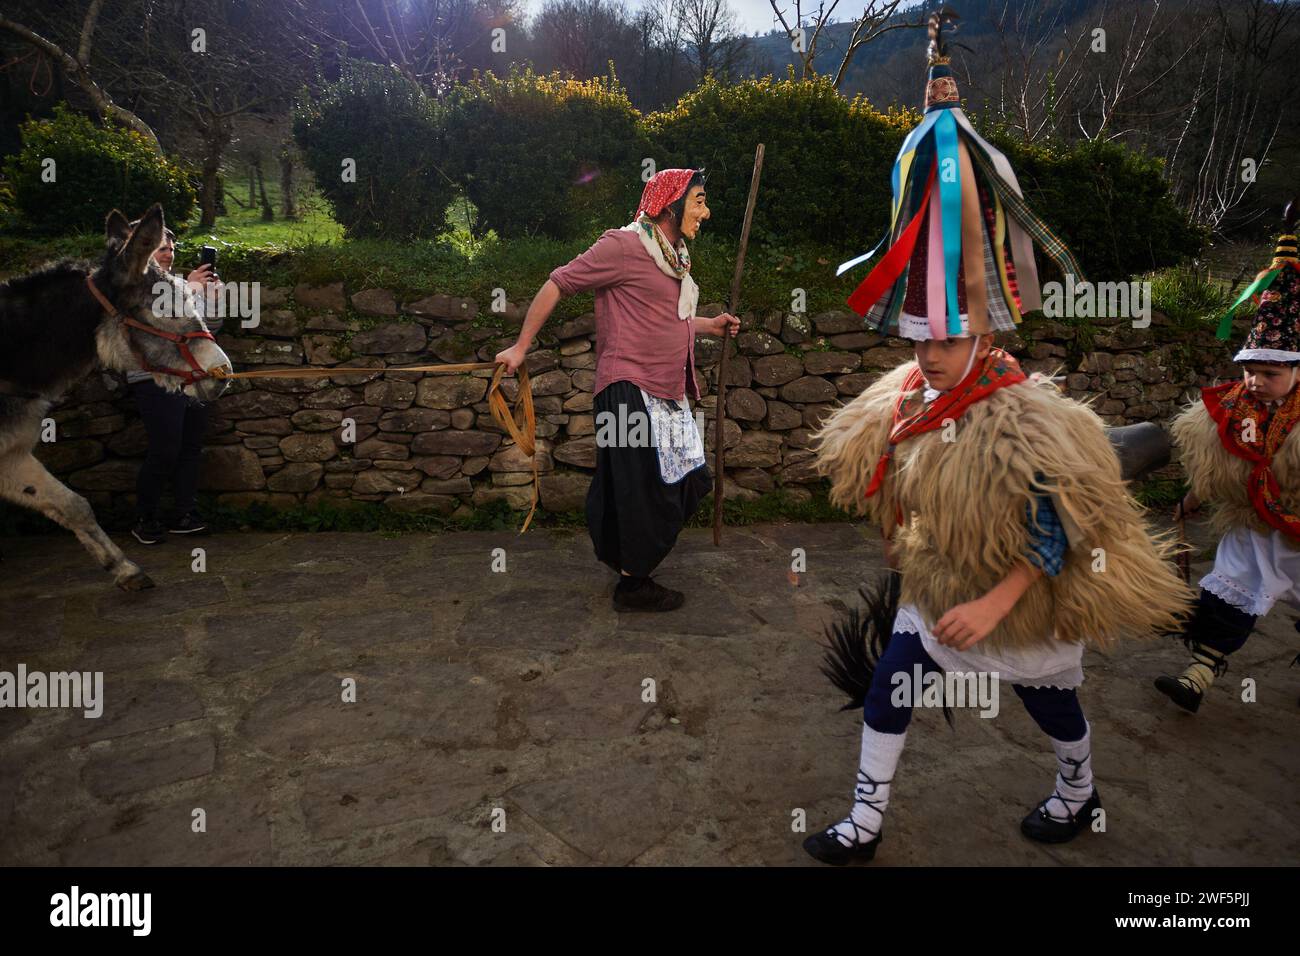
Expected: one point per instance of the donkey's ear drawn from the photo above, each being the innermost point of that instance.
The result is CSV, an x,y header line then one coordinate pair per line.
x,y
145,239
116,228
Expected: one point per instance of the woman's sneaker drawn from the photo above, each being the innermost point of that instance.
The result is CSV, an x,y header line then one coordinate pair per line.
x,y
149,531
189,523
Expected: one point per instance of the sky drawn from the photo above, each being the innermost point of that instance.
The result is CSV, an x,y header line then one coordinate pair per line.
x,y
757,15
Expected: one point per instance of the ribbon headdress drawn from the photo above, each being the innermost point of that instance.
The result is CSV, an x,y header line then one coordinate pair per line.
x,y
1275,336
961,234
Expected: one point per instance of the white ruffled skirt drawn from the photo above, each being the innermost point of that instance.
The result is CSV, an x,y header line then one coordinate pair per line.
x,y
1253,571
1059,664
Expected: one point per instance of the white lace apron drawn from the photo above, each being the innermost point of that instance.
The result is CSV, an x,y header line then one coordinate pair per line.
x,y
675,435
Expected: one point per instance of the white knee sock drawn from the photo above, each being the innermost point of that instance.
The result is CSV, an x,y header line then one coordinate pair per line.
x,y
1073,776
876,765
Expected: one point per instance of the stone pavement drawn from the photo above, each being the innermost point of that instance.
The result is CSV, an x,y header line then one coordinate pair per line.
x,y
522,691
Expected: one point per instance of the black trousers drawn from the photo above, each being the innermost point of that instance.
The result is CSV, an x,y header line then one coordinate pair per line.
x,y
1217,624
176,426
633,517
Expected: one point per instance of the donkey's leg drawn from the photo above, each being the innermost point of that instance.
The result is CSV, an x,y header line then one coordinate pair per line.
x,y
25,481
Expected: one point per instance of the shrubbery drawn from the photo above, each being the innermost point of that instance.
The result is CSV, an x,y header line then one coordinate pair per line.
x,y
95,170
393,132
827,162
542,155
1111,205
826,159
538,155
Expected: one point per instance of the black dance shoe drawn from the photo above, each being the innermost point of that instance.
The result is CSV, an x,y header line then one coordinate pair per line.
x,y
650,596
826,848
1043,827
1186,697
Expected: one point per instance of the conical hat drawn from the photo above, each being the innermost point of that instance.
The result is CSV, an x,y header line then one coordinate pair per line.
x,y
961,233
1275,334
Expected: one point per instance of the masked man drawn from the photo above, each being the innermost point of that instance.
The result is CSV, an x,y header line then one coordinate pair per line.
x,y
650,468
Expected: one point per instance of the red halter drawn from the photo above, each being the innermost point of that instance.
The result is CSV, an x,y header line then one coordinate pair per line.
x,y
179,339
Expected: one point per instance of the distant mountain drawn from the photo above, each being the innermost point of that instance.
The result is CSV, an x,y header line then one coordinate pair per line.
x,y
891,69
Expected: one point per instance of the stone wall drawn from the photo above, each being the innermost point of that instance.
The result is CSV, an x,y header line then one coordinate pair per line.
x,y
428,442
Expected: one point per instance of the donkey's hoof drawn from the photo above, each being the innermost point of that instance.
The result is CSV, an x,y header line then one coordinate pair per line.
x,y
136,582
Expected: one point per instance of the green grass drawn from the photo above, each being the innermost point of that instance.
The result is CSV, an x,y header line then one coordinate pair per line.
x,y
245,228
312,250
1160,494
1189,295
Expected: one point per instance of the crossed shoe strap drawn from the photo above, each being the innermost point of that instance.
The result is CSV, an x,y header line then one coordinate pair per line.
x,y
1207,664
864,793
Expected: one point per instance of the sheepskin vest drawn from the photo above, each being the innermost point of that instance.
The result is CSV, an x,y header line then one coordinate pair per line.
x,y
1219,476
962,492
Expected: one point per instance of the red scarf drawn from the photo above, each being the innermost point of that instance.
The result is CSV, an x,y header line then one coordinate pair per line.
x,y
998,370
1230,405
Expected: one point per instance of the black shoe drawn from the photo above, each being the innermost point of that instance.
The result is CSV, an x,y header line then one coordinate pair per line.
x,y
149,531
827,848
1188,698
650,596
1044,828
189,523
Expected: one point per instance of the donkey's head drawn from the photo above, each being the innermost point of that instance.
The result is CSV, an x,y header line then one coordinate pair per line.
x,y
151,323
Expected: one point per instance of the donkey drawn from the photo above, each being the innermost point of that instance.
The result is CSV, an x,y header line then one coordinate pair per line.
x,y
57,324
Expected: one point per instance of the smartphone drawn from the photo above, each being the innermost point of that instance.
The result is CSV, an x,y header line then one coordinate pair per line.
x,y
208,256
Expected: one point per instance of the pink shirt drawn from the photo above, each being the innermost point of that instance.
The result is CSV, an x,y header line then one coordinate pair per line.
x,y
639,338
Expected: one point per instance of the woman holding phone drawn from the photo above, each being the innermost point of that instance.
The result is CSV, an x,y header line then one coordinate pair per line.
x,y
175,425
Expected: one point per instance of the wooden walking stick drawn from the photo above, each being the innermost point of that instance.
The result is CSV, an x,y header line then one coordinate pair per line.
x,y
726,347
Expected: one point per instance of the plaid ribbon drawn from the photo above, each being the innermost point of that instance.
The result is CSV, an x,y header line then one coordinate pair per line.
x,y
1231,406
998,370
1030,221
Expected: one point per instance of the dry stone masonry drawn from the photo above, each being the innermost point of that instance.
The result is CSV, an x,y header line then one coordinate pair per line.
x,y
429,443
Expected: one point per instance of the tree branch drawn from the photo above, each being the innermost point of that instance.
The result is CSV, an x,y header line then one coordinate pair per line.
x,y
77,72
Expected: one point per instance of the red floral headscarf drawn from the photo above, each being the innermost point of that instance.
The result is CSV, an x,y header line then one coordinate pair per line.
x,y
664,187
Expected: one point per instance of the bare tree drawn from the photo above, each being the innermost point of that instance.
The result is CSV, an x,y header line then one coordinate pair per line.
x,y
288,160
1040,68
656,76
77,67
709,27
1237,109
582,36
1094,78
434,42
206,65
804,40
1118,90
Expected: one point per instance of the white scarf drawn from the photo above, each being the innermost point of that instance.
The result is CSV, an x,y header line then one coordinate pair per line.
x,y
689,296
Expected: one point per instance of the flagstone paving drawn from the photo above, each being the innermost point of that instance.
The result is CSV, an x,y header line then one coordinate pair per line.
x,y
504,717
